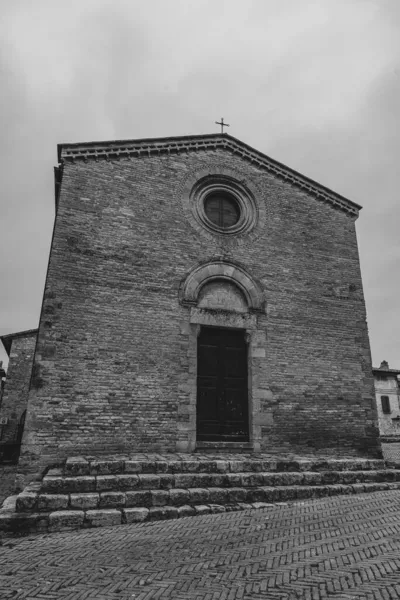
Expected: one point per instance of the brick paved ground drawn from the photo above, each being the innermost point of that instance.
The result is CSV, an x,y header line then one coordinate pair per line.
x,y
346,547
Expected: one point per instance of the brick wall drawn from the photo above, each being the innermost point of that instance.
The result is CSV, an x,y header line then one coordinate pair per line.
x,y
113,356
16,388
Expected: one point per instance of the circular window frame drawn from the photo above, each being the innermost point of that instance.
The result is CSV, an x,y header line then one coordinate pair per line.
x,y
224,185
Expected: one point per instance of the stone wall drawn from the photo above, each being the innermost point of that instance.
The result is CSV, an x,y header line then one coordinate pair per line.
x,y
8,485
115,366
21,347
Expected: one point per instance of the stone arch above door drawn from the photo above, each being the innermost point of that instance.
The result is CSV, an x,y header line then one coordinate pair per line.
x,y
219,272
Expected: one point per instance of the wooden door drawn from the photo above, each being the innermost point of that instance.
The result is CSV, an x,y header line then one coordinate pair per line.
x,y
222,396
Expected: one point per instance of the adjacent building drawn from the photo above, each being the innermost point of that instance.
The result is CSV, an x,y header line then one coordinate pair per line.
x,y
20,348
387,390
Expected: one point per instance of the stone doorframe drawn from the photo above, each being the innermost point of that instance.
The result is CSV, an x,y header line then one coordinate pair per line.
x,y
190,328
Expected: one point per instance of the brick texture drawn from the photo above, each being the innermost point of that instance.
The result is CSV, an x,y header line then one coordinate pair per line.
x,y
113,370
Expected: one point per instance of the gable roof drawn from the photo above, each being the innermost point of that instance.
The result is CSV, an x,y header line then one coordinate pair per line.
x,y
113,150
8,338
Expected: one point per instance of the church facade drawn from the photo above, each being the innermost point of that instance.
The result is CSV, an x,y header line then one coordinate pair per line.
x,y
199,296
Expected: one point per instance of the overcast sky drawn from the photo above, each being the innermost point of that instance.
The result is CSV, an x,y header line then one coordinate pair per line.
x,y
314,84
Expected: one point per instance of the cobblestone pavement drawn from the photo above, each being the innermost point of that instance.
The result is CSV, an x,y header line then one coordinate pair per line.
x,y
345,547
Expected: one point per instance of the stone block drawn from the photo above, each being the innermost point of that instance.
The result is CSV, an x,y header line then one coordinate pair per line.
x,y
222,466
233,479
318,491
202,509
236,494
201,480
106,483
82,484
161,466
149,466
237,466
219,480
64,520
304,492
348,477
245,506
127,481
288,466
288,493
21,523
159,497
54,473
77,465
179,497
52,502
167,481
304,465
207,466
163,512
106,467
148,481
232,507
252,479
270,494
133,466
310,478
255,495
186,511
217,495
358,488
330,477
199,495
190,466
139,498
334,490
135,515
292,478
187,480
384,475
84,501
53,485
112,500
102,518
268,465
270,479
26,502
216,508
259,505
174,466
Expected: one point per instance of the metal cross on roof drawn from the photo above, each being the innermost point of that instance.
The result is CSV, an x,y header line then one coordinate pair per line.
x,y
222,124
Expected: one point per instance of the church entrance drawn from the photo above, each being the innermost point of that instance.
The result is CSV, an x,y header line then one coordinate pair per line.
x,y
222,392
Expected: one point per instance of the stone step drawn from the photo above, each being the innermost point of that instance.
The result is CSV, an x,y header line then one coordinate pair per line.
x,y
171,464
112,490
77,516
55,483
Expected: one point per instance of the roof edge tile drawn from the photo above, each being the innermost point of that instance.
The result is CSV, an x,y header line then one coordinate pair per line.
x,y
115,149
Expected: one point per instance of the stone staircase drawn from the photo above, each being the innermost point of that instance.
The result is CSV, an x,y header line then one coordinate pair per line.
x,y
88,492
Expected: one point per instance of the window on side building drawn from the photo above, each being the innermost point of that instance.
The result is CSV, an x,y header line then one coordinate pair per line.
x,y
385,404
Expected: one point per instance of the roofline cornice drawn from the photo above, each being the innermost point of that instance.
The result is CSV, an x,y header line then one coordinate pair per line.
x,y
117,149
7,339
378,370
